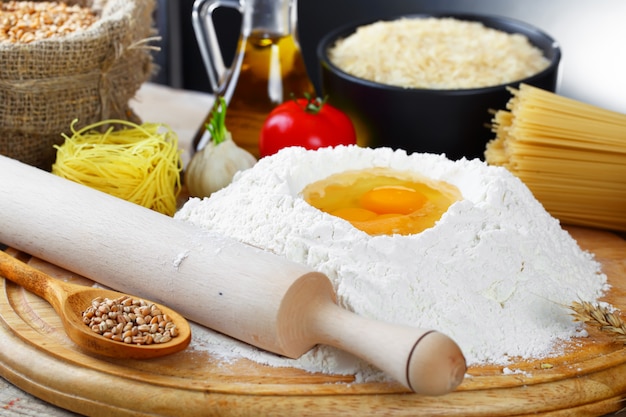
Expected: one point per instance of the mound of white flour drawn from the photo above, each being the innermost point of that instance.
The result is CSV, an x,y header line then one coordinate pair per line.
x,y
496,273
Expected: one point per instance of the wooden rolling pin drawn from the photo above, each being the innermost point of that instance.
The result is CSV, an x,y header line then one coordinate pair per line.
x,y
236,289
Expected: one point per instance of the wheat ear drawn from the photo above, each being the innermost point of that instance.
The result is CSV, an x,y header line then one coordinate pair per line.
x,y
600,316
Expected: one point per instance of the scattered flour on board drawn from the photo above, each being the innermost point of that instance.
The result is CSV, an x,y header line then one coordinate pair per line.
x,y
495,273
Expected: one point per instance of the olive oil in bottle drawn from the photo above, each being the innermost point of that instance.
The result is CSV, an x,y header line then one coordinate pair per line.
x,y
272,70
268,68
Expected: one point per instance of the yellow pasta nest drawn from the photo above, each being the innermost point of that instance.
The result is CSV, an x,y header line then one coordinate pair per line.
x,y
138,163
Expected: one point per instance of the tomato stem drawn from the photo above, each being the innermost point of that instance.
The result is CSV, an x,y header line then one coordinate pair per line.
x,y
313,104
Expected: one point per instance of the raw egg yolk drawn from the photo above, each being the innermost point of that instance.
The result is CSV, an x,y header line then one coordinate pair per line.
x,y
383,201
392,199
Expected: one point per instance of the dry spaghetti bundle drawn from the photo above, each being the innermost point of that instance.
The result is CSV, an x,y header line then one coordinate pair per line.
x,y
571,155
138,163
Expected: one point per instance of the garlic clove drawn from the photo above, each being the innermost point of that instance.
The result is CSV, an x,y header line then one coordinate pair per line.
x,y
214,166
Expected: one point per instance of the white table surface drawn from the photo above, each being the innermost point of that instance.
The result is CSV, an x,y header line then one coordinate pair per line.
x,y
183,110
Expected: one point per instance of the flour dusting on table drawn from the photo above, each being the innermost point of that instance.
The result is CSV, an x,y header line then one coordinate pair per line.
x,y
496,273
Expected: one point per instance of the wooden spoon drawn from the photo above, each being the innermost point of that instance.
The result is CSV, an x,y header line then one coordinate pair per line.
x,y
71,300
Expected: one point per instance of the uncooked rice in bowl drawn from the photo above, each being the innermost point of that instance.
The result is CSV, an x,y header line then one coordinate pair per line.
x,y
436,53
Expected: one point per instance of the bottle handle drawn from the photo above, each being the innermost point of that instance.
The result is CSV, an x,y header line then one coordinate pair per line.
x,y
202,20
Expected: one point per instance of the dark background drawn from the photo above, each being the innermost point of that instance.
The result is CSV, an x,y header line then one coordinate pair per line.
x,y
591,33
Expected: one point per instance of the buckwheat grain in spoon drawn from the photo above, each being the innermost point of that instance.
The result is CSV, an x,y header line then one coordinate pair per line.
x,y
102,321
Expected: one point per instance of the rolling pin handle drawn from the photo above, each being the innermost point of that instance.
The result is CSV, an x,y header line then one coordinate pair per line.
x,y
425,361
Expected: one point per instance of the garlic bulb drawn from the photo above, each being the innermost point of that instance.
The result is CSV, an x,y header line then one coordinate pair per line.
x,y
214,166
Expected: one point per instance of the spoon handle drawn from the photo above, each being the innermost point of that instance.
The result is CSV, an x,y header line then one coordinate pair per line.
x,y
30,278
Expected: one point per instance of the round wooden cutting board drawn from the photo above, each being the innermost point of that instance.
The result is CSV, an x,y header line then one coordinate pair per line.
x,y
37,356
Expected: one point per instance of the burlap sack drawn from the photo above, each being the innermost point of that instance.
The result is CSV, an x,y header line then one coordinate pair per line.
x,y
89,75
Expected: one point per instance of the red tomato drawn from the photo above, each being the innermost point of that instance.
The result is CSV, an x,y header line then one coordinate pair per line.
x,y
307,122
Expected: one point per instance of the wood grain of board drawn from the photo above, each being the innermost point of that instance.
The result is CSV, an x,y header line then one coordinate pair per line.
x,y
588,379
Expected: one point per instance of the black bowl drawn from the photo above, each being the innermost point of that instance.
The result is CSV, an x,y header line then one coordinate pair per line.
x,y
452,122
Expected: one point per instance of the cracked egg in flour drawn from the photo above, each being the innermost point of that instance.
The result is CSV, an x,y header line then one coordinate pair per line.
x,y
493,271
382,200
